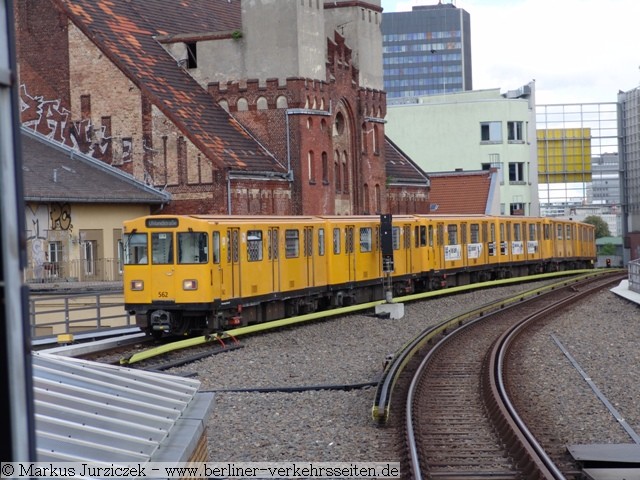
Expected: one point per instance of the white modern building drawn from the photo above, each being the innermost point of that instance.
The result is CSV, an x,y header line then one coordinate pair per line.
x,y
488,129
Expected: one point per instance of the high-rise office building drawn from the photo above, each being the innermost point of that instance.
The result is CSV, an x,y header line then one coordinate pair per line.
x,y
426,51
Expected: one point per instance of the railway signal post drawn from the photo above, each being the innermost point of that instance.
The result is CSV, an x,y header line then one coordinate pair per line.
x,y
395,310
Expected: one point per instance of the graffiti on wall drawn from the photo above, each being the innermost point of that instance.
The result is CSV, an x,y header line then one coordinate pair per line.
x,y
53,120
61,216
37,227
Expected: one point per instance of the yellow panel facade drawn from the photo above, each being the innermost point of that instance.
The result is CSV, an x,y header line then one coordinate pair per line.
x,y
564,155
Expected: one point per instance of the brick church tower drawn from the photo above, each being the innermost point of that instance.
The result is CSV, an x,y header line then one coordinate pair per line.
x,y
292,77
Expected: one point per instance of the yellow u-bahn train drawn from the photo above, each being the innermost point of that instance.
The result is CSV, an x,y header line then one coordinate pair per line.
x,y
198,273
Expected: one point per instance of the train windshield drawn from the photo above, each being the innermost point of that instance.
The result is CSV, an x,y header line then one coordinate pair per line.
x,y
162,248
193,247
135,249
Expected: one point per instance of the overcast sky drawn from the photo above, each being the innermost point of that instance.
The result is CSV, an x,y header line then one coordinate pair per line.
x,y
577,51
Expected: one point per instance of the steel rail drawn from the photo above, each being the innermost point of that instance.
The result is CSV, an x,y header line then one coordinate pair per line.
x,y
381,407
529,445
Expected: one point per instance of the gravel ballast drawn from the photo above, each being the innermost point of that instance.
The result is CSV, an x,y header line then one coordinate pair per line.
x,y
336,425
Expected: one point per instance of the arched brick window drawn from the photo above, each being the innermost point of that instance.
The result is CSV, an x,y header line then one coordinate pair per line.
x,y
243,105
224,104
311,166
261,103
281,102
325,168
336,172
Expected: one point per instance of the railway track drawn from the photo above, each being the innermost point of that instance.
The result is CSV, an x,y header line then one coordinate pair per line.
x,y
458,417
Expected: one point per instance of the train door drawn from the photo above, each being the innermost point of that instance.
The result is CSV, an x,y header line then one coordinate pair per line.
x,y
233,260
308,254
273,237
349,251
163,280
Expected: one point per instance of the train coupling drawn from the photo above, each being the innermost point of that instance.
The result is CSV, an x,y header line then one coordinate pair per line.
x,y
160,320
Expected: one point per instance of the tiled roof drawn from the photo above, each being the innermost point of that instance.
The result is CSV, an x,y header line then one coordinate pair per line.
x,y
53,172
126,38
463,193
400,168
178,17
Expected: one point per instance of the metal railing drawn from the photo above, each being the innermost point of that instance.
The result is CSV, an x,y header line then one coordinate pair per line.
x,y
98,270
634,276
53,315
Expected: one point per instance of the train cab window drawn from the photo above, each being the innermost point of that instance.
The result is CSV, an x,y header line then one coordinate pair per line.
x,y
452,234
336,241
135,249
292,243
216,247
162,248
321,241
366,241
192,247
395,237
475,232
254,245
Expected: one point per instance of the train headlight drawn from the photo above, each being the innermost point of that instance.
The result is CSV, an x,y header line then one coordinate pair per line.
x,y
189,284
137,285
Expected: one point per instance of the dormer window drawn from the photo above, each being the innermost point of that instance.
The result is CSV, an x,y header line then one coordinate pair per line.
x,y
192,55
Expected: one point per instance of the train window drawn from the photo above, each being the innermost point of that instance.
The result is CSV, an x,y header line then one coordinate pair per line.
x,y
162,248
423,236
135,249
348,240
463,233
254,245
517,232
336,241
568,232
452,233
475,233
431,235
308,241
321,241
292,243
192,247
377,239
366,242
416,234
559,232
532,232
547,231
273,244
440,234
395,238
216,247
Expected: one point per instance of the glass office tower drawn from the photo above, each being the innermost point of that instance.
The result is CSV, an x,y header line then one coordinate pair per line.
x,y
426,51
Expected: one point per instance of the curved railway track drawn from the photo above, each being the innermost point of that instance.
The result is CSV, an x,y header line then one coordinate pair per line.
x,y
459,420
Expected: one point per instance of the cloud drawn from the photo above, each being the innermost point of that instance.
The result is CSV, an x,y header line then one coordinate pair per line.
x,y
576,50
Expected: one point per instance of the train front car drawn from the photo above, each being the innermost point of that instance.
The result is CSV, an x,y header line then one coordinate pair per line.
x,y
167,275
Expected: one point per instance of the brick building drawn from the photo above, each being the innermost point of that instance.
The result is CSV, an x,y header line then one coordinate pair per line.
x,y
244,107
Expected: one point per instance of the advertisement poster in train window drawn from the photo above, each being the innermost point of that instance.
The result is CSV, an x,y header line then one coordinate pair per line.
x,y
517,248
452,252
474,250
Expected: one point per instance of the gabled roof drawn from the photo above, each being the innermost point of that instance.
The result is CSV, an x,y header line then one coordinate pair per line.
x,y
400,168
53,172
463,193
127,39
